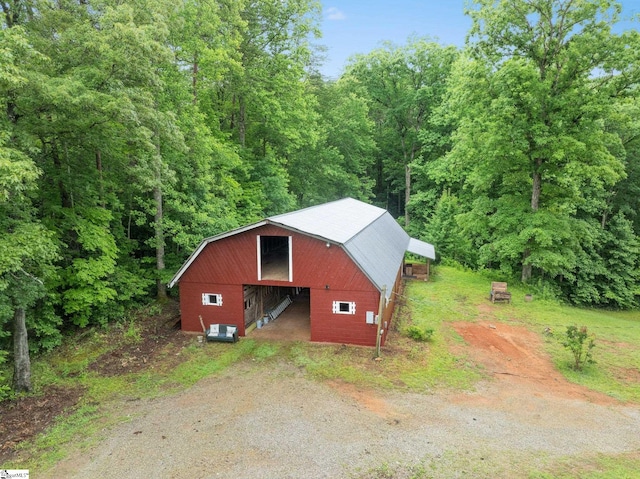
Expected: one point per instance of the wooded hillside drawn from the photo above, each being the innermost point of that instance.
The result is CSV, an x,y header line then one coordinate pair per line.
x,y
132,129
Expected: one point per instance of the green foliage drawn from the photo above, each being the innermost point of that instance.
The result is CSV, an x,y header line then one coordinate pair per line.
x,y
113,109
340,162
536,150
419,334
5,388
443,230
580,343
609,266
132,130
404,86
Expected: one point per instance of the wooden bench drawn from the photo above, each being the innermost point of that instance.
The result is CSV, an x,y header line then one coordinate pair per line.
x,y
227,333
499,292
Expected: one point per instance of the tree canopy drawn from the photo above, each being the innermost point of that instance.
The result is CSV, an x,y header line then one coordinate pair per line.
x,y
133,129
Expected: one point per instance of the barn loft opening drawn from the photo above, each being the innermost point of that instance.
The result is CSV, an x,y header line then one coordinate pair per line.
x,y
274,258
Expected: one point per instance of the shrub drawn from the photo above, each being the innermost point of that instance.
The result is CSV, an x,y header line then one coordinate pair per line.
x,y
418,333
580,343
5,389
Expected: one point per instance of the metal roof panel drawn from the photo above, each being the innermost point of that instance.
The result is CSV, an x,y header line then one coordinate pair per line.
x,y
421,248
336,221
379,250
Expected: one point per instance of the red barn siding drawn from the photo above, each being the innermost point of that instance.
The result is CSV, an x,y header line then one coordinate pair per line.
x,y
191,307
227,264
327,326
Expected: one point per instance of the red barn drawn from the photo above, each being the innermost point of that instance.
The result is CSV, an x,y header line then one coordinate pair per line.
x,y
341,255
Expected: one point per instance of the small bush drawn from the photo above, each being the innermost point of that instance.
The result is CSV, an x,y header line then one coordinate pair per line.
x,y
580,343
419,334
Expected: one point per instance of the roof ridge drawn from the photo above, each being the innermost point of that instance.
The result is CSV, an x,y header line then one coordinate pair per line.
x,y
313,207
342,228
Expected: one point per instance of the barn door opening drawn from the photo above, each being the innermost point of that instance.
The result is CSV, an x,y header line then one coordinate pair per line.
x,y
274,258
293,321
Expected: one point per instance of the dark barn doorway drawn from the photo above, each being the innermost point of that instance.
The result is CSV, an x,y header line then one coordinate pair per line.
x,y
275,258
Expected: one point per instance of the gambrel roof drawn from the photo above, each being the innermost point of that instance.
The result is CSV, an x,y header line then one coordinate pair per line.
x,y
369,235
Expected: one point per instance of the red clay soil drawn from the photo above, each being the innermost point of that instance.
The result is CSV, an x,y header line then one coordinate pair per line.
x,y
515,356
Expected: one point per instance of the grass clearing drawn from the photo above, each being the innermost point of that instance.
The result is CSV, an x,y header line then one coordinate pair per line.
x,y
79,428
460,295
623,466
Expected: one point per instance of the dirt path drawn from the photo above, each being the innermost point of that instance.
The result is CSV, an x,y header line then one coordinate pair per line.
x,y
515,357
257,422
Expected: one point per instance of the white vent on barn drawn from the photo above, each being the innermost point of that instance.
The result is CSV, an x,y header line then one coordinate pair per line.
x,y
344,307
212,299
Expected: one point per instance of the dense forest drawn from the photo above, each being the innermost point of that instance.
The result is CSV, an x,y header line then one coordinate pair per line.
x,y
132,129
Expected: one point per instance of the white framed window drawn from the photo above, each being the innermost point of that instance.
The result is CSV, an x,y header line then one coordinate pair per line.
x,y
344,307
212,299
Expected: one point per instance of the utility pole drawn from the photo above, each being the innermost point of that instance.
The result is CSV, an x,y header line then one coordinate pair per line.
x,y
383,295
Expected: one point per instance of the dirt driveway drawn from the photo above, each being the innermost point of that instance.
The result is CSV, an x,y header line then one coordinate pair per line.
x,y
257,422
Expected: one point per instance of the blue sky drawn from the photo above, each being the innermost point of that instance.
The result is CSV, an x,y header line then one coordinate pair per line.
x,y
360,26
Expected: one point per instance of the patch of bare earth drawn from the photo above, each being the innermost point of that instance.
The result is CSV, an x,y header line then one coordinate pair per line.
x,y
515,357
24,418
369,401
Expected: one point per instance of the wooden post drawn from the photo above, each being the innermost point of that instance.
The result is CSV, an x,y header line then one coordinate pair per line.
x,y
383,295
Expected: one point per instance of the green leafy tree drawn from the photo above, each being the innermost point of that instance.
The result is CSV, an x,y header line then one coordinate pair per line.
x,y
27,248
339,164
624,197
405,85
530,147
445,233
265,99
580,343
608,268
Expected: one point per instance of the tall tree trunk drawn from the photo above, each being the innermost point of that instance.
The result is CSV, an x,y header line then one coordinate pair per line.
x,y
535,193
158,220
65,197
22,362
407,192
159,236
526,268
407,179
535,204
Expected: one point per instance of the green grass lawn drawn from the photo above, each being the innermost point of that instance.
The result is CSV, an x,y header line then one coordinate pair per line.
x,y
456,294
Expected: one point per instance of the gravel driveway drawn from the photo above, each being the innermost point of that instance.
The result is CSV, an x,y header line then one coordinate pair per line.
x,y
260,421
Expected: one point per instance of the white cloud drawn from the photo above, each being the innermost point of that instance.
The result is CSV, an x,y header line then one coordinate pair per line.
x,y
334,14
